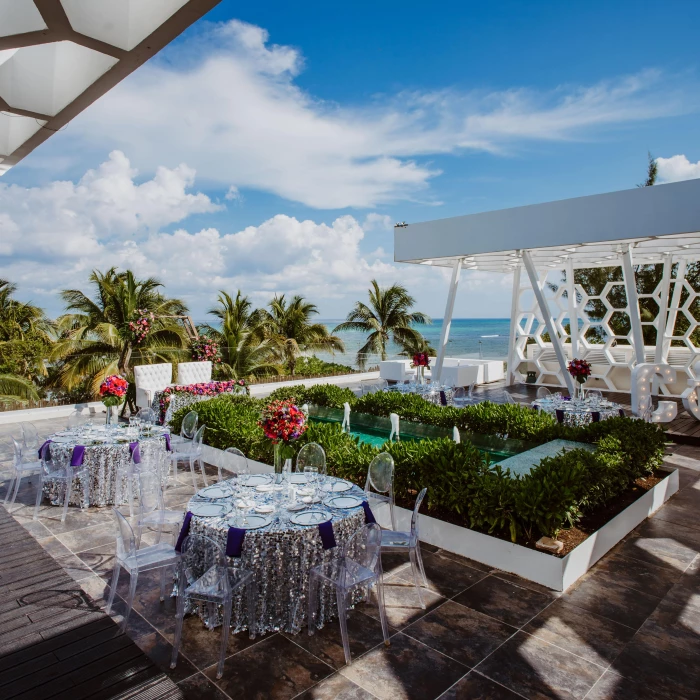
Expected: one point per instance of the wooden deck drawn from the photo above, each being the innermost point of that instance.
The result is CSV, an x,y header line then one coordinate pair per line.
x,y
684,429
55,642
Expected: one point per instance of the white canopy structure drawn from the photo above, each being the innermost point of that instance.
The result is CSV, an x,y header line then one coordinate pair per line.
x,y
58,56
643,226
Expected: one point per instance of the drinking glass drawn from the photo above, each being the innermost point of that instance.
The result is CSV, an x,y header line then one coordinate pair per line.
x,y
311,474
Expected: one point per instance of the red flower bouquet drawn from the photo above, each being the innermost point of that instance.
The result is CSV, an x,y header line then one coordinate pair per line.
x,y
203,389
421,359
282,421
113,390
580,370
206,349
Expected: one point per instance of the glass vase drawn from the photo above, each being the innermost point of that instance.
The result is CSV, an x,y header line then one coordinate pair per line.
x,y
282,451
421,374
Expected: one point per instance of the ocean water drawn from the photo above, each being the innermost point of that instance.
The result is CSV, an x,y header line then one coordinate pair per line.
x,y
485,338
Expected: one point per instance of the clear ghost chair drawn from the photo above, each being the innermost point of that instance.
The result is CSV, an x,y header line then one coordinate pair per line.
x,y
75,420
136,560
187,429
21,466
460,397
152,511
30,436
236,463
543,392
595,395
311,455
56,468
507,398
379,485
192,452
393,541
215,585
126,473
360,565
147,416
372,386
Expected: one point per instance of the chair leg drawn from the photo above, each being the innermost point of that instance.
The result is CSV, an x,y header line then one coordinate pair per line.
x,y
416,580
179,616
18,479
343,619
39,495
162,584
130,602
419,557
382,611
194,475
226,628
113,587
252,591
312,603
66,500
130,492
10,487
201,468
393,515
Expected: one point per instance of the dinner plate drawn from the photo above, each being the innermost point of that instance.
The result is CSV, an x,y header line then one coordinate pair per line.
x,y
297,478
64,440
337,486
256,480
250,522
310,517
264,508
344,502
214,491
310,499
209,510
296,506
264,488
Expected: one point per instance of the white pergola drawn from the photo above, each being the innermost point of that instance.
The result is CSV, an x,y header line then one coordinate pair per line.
x,y
646,225
58,56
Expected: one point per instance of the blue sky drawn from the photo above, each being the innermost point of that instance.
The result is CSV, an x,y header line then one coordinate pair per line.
x,y
306,129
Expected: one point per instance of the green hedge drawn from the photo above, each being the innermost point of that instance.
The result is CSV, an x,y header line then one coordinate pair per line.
x,y
463,486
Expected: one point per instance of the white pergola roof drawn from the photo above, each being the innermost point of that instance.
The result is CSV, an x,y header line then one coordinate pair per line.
x,y
589,231
58,56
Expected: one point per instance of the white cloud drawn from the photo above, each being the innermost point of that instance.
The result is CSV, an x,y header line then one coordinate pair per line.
x,y
227,104
377,222
233,195
677,168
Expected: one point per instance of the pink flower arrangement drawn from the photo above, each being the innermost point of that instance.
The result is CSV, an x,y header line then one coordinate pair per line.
x,y
140,327
206,349
580,370
203,389
113,390
421,359
282,421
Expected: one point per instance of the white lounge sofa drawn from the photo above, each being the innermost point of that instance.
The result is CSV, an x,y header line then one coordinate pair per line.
x,y
149,379
460,375
396,370
487,370
193,372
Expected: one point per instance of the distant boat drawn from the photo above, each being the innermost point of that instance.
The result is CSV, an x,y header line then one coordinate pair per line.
x,y
491,336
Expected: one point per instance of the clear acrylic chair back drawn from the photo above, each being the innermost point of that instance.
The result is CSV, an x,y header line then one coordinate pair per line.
x,y
380,475
147,416
543,392
204,559
126,541
311,455
235,461
364,547
414,516
150,493
189,425
30,436
75,419
197,439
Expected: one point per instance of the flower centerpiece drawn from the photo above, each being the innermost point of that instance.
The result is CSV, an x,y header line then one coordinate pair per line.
x,y
204,349
140,325
282,422
112,393
421,360
580,370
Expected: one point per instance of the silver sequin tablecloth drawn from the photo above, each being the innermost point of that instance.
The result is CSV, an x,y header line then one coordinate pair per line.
x,y
280,556
103,461
578,412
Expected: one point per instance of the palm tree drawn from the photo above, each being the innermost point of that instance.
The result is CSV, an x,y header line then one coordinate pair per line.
x,y
14,388
96,340
245,349
288,326
388,315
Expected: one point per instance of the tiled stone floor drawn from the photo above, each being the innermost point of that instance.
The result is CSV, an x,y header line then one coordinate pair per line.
x,y
630,629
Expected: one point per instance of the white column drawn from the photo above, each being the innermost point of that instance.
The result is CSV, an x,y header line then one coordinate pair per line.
x,y
573,307
549,322
673,309
447,320
661,318
513,318
633,304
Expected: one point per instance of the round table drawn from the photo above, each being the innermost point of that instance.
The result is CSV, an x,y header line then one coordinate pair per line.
x,y
281,554
576,411
106,452
430,392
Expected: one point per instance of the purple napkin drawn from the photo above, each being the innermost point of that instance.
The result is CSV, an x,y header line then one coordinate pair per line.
x,y
234,541
77,457
135,452
536,407
443,398
369,515
167,442
560,415
45,446
184,531
327,536
595,416
621,411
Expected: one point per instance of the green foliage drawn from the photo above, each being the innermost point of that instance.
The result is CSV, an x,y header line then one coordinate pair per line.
x,y
315,366
322,395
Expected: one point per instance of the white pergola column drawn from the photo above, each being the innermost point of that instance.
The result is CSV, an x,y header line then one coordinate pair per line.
x,y
573,307
661,318
513,321
673,308
633,304
447,320
549,321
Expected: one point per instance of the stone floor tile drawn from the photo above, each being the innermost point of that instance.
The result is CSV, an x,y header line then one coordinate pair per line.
x,y
471,563
364,633
274,669
504,600
686,591
100,559
612,686
581,632
537,670
474,686
336,687
88,537
199,687
55,548
407,670
661,551
159,650
463,634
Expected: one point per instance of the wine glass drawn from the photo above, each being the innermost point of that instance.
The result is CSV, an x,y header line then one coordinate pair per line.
x,y
311,474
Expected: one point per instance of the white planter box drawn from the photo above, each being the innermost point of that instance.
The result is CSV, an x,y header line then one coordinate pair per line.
x,y
213,455
32,414
553,572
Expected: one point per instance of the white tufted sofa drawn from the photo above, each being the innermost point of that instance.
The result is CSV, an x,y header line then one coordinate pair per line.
x,y
193,372
149,379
